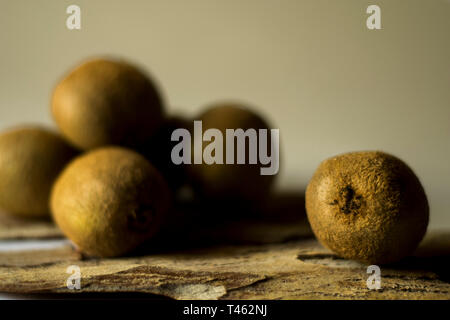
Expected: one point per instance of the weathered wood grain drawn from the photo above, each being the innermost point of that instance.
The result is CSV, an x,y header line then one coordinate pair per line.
x,y
300,269
230,254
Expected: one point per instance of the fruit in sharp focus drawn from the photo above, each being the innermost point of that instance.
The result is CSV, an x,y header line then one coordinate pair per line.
x,y
109,201
367,206
107,102
30,160
240,181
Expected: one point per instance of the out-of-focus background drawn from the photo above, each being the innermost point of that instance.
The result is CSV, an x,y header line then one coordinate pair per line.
x,y
312,67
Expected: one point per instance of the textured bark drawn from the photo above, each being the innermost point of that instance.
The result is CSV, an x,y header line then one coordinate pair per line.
x,y
300,269
267,256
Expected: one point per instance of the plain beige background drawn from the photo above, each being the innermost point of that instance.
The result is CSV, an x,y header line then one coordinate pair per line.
x,y
312,67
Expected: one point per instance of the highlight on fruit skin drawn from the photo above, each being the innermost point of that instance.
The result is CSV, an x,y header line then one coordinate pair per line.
x,y
367,206
107,102
109,201
231,181
31,157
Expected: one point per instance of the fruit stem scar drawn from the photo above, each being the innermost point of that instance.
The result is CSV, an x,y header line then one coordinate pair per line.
x,y
351,202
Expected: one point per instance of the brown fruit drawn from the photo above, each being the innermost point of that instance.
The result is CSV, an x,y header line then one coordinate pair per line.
x,y
107,102
109,201
159,148
239,181
30,160
367,206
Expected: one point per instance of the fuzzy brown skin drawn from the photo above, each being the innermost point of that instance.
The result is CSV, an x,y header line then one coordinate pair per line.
x,y
106,102
109,201
367,206
239,181
30,160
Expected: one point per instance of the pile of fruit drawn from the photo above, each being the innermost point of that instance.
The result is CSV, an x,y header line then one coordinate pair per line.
x,y
108,181
107,178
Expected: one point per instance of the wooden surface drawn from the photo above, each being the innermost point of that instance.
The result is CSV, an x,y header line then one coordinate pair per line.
x,y
12,228
273,256
299,269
